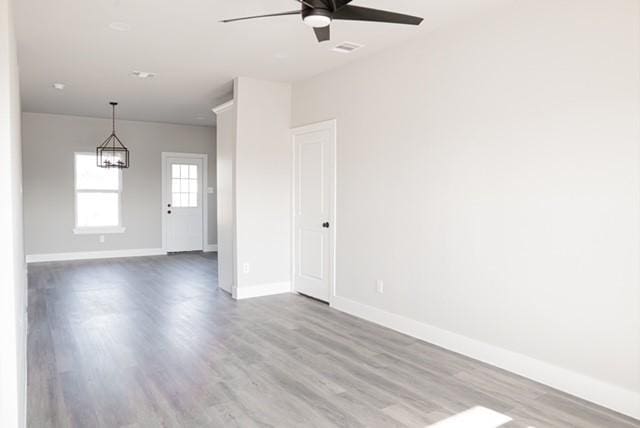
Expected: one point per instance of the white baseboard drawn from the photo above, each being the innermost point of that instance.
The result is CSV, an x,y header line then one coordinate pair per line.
x,y
89,255
611,396
261,290
211,248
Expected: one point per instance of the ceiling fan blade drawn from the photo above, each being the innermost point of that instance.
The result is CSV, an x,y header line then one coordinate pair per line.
x,y
357,13
339,4
332,5
306,3
293,12
323,33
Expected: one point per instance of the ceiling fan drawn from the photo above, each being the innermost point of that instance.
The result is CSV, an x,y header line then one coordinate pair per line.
x,y
318,14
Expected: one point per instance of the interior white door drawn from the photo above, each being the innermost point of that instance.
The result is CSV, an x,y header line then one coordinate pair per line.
x,y
183,208
313,211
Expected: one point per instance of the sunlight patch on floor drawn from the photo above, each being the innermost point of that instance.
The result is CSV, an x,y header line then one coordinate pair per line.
x,y
476,417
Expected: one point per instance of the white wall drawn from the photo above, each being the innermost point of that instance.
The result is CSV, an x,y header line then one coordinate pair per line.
x,y
489,174
263,183
49,143
13,371
226,147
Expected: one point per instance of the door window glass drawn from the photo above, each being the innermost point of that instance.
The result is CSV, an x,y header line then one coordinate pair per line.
x,y
184,186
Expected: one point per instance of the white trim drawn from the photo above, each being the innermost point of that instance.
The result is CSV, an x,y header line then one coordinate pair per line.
x,y
185,155
205,194
222,107
98,230
261,290
211,248
579,385
90,255
331,125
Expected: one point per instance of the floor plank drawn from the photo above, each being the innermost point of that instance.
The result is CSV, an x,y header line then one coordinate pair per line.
x,y
152,341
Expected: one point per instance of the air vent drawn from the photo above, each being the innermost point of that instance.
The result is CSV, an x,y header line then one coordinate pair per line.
x,y
347,47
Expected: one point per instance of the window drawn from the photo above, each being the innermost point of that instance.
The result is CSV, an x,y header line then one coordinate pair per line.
x,y
97,196
184,186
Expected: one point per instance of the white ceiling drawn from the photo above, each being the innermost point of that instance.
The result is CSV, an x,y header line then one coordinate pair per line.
x,y
195,57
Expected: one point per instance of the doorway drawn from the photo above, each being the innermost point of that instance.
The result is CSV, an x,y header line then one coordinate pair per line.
x,y
314,210
184,205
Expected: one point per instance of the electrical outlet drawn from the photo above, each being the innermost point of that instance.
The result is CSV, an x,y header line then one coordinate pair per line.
x,y
380,286
101,239
246,268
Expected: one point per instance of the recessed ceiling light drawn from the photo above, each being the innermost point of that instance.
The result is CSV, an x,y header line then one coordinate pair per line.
x,y
347,47
120,26
143,74
58,86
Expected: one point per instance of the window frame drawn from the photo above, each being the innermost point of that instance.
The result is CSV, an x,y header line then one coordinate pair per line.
x,y
95,230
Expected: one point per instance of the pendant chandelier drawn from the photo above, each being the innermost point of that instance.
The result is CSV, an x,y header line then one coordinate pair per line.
x,y
112,153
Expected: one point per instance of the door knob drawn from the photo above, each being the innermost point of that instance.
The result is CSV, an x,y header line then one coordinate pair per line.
x,y
169,212
325,224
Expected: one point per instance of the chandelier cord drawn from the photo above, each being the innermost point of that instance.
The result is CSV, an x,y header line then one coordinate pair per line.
x,y
113,117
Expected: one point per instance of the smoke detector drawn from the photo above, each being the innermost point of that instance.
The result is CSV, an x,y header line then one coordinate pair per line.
x,y
143,74
120,26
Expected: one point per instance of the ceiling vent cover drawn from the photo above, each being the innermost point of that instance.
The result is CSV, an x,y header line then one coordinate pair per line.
x,y
347,47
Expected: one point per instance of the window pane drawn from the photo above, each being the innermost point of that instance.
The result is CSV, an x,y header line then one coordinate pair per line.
x,y
193,186
97,209
175,185
193,171
90,177
184,199
175,171
175,200
185,186
184,171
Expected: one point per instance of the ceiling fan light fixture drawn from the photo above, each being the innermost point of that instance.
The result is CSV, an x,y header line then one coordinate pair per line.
x,y
316,18
317,21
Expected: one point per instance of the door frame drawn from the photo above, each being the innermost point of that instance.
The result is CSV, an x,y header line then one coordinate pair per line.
x,y
205,192
332,126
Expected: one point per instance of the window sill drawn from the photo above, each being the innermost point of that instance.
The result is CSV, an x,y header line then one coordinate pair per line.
x,y
98,230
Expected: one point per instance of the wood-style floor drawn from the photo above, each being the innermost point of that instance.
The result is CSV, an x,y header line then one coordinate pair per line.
x,y
151,342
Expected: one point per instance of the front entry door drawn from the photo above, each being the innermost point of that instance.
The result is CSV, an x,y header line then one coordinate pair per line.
x,y
183,208
314,194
